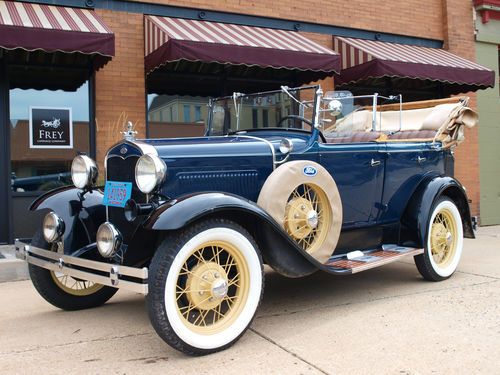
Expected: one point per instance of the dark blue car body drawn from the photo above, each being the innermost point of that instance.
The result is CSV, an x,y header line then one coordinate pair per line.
x,y
382,186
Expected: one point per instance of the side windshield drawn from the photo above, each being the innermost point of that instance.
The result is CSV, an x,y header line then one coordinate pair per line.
x,y
288,108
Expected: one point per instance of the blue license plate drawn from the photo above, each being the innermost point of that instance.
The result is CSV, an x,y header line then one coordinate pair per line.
x,y
117,193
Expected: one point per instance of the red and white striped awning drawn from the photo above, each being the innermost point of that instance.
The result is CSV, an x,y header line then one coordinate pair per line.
x,y
365,59
51,28
172,39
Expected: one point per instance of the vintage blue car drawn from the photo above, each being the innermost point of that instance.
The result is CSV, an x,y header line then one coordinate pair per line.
x,y
292,178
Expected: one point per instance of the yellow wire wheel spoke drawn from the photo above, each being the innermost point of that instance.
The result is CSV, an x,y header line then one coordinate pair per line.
x,y
212,287
444,238
308,216
75,287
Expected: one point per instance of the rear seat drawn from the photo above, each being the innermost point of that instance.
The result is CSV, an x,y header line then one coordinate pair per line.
x,y
412,134
358,137
371,136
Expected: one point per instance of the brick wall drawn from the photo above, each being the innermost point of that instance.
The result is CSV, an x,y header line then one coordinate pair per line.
x,y
421,18
120,85
458,30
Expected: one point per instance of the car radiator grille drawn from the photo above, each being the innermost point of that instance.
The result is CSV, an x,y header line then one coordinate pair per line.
x,y
123,170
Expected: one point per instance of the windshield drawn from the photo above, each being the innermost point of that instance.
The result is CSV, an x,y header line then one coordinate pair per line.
x,y
286,108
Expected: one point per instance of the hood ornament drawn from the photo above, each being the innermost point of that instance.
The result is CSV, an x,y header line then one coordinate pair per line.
x,y
129,135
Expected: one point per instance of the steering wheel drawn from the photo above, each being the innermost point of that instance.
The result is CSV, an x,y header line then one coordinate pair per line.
x,y
294,117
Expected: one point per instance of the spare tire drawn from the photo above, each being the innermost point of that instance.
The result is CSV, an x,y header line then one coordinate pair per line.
x,y
304,199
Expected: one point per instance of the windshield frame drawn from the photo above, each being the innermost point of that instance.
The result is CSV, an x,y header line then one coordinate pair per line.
x,y
314,118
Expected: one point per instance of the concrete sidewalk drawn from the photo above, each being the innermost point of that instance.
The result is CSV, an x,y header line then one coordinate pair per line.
x,y
11,268
383,321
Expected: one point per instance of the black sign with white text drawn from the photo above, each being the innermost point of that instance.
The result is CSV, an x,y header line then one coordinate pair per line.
x,y
51,127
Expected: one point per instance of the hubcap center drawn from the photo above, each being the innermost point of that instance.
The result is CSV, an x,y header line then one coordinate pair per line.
x,y
449,238
312,219
219,288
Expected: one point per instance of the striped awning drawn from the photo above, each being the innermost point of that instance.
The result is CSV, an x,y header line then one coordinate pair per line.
x,y
174,39
49,28
369,59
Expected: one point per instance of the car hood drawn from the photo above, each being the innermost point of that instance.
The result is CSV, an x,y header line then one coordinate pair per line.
x,y
226,146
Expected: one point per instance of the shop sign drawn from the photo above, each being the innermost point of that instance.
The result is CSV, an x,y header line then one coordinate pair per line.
x,y
51,127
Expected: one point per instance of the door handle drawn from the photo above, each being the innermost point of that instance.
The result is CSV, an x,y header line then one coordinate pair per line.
x,y
374,162
420,160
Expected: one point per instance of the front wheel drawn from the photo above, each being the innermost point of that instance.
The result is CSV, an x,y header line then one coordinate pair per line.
x,y
205,286
444,242
63,291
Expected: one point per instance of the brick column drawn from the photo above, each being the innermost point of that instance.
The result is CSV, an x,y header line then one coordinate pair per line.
x,y
120,84
458,31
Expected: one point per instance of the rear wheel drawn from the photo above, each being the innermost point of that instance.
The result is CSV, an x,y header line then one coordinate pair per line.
x,y
63,291
444,243
205,286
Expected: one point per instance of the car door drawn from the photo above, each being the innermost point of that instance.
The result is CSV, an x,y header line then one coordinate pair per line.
x,y
358,170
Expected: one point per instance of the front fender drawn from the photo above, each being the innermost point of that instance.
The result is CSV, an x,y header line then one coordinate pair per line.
x,y
81,215
421,203
278,249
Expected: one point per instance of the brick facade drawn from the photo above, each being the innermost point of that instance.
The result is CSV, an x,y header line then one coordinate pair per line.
x,y
120,85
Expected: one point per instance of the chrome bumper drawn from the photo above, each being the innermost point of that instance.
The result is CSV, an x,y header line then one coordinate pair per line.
x,y
91,270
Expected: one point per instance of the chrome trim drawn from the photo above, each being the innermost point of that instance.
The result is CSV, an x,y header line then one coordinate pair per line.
x,y
420,159
59,227
267,142
317,110
145,148
117,239
91,171
63,263
160,172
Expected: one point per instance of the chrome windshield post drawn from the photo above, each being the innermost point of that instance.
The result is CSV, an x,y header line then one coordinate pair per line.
x,y
374,114
317,109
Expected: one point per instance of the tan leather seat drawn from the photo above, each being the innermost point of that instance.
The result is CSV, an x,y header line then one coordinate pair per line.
x,y
413,134
358,137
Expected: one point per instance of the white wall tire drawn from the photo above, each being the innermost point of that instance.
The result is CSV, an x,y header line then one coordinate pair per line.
x,y
205,287
444,242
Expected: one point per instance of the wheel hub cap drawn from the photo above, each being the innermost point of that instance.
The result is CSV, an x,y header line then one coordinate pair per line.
x,y
443,238
207,285
219,288
301,218
312,219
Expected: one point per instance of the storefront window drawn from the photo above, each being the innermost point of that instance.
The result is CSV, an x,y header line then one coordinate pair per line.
x,y
48,128
172,116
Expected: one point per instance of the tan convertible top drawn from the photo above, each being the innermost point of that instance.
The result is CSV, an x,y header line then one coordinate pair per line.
x,y
430,120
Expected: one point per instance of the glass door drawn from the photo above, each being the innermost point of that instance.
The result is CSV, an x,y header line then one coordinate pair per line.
x,y
47,129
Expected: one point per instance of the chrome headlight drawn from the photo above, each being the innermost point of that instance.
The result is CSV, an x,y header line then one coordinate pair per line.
x,y
83,172
108,239
53,227
150,171
286,146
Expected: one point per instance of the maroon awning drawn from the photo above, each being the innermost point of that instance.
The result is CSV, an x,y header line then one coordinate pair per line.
x,y
35,27
172,39
364,60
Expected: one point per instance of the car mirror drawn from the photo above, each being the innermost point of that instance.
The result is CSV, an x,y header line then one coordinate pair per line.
x,y
335,107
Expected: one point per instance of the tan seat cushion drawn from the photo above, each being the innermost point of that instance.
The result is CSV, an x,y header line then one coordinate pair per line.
x,y
359,137
413,135
357,121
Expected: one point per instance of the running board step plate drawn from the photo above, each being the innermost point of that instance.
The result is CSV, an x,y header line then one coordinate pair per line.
x,y
370,259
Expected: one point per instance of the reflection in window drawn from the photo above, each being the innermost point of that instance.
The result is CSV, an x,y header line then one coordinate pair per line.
x,y
187,114
172,116
255,118
42,169
265,118
197,113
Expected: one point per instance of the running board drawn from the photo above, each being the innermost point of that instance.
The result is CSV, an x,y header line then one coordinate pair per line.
x,y
358,261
